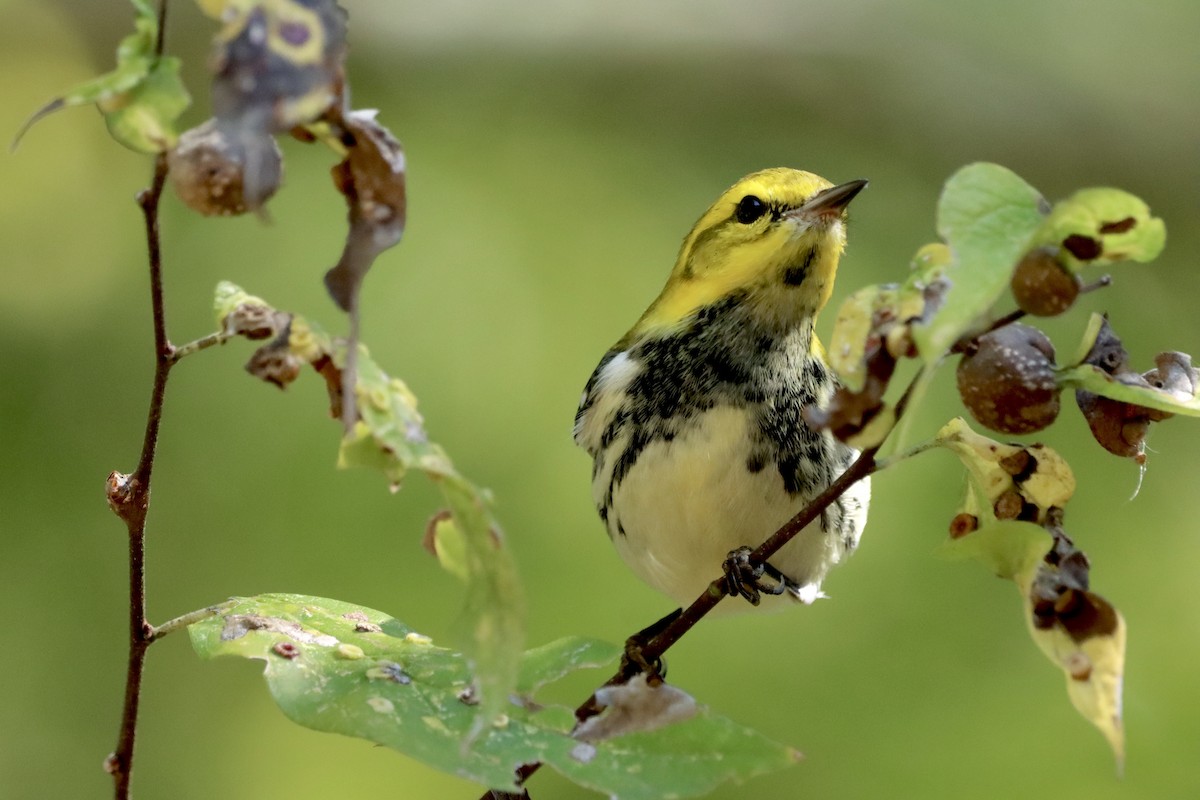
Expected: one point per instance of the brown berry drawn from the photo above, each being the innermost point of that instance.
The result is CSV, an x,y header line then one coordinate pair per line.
x,y
207,170
1042,286
1119,427
962,524
1007,382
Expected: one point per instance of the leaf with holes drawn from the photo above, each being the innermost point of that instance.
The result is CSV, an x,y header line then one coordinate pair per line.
x,y
341,668
1102,225
1012,523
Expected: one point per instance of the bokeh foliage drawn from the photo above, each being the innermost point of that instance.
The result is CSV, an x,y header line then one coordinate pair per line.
x,y
550,182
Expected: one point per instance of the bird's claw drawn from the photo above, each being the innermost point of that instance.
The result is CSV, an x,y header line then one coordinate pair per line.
x,y
744,577
634,660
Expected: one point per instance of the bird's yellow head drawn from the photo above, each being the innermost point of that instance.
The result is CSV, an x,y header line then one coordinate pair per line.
x,y
775,235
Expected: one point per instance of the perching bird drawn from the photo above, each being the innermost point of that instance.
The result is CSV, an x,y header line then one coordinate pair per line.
x,y
694,417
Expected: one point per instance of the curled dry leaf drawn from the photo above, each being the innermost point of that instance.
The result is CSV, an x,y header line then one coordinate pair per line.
x,y
636,706
1007,481
275,362
1079,631
849,414
872,332
372,178
242,314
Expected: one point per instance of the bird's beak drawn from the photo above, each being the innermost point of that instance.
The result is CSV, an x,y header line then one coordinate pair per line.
x,y
831,202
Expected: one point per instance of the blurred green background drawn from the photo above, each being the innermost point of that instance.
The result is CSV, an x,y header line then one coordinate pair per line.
x,y
557,155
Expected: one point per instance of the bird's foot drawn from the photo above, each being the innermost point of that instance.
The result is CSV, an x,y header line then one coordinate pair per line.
x,y
744,577
634,658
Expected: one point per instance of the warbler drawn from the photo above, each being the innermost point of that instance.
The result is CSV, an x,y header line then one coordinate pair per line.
x,y
694,417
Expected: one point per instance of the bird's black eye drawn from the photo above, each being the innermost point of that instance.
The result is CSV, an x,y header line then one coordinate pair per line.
x,y
749,208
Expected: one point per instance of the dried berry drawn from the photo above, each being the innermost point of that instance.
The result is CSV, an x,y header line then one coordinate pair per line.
x,y
207,171
1118,426
1107,353
962,524
1007,381
1042,286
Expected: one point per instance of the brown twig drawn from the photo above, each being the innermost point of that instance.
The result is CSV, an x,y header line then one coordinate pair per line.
x,y
162,28
129,495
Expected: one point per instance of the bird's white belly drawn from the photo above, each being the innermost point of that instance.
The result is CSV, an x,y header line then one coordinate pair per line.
x,y
686,503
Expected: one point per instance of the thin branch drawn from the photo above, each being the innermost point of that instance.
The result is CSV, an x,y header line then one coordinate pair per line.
x,y
1103,282
163,352
203,343
157,632
129,495
963,344
162,28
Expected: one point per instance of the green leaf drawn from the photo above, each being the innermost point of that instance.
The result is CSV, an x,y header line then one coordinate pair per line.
x,y
1008,548
685,759
1102,224
228,297
987,215
141,99
551,662
1097,381
494,607
390,420
336,667
145,119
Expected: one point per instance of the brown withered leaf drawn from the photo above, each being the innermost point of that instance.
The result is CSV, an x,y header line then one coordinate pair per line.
x,y
636,706
849,413
1079,631
372,178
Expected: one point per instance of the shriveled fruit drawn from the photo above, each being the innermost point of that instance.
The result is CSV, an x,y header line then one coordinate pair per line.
x,y
1042,286
1007,380
207,171
1119,427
